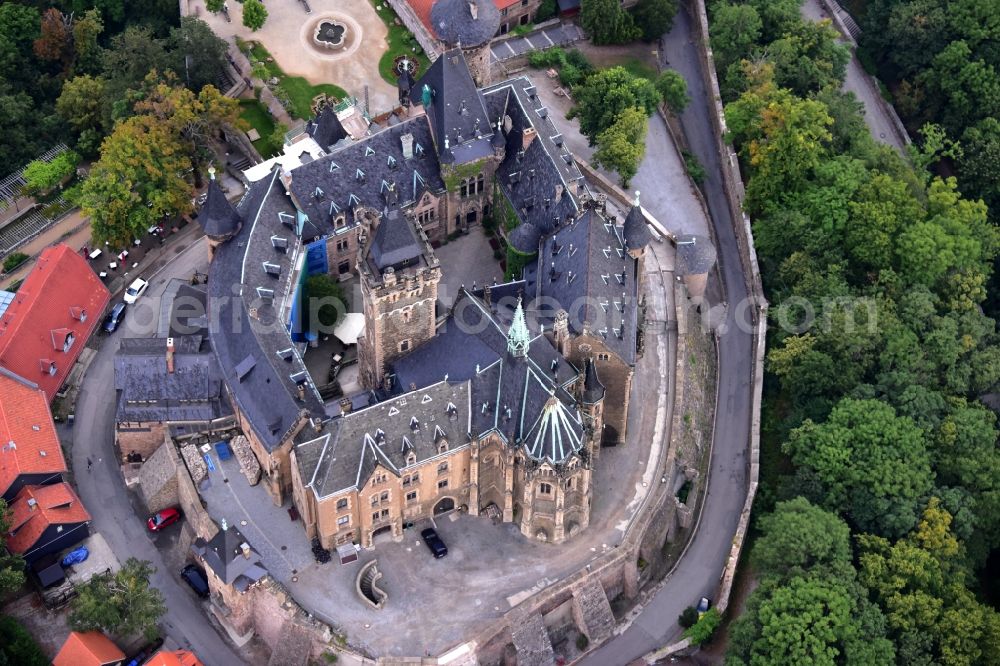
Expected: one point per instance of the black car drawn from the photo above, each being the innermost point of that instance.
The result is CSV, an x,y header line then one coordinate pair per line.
x,y
194,576
115,318
434,542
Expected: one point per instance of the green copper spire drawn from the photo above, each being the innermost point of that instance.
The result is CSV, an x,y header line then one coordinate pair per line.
x,y
518,337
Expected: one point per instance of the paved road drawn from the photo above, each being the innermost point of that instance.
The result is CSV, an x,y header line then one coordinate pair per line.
x,y
103,492
858,81
698,573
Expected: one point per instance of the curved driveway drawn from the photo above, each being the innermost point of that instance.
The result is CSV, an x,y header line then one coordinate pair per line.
x,y
699,571
102,490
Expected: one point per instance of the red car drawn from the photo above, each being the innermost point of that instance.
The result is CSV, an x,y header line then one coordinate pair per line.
x,y
163,518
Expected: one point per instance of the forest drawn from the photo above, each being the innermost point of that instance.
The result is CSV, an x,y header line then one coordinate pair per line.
x,y
879,508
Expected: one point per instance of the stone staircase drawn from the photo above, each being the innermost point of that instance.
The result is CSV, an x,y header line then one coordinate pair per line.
x,y
532,642
592,611
366,585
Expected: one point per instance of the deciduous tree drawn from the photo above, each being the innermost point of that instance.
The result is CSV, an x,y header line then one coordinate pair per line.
x,y
56,41
119,603
621,146
254,14
605,22
608,92
654,17
673,90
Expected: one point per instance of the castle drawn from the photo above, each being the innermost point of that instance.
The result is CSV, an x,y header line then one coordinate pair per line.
x,y
479,407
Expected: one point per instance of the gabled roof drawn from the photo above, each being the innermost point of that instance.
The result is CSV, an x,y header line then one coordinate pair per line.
x,y
351,447
225,555
466,23
326,129
149,391
456,110
90,648
174,658
260,379
586,262
61,294
26,421
56,504
217,216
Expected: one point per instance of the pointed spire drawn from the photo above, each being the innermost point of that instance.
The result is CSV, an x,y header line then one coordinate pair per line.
x,y
593,389
518,338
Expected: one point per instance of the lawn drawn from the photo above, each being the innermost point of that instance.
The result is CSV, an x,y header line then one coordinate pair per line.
x,y
401,41
296,90
638,68
254,113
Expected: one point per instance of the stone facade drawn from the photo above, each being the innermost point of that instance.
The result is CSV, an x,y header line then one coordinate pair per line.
x,y
615,374
517,12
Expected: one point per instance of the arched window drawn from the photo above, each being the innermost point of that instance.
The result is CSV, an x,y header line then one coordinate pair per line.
x,y
479,184
545,489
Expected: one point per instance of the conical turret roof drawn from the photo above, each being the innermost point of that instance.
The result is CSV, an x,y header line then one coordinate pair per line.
x,y
636,230
593,389
217,216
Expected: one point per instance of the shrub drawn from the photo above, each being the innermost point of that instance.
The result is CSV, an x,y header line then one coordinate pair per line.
x,y
702,630
688,617
17,646
13,260
40,176
582,642
694,168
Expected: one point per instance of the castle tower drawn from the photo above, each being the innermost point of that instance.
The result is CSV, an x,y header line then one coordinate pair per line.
x,y
399,283
469,25
217,216
592,394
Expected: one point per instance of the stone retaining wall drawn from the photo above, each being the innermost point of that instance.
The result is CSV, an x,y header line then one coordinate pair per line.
x,y
751,272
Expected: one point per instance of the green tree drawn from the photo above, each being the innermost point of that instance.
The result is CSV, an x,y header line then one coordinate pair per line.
x,y
21,138
43,176
605,22
874,464
86,31
673,91
605,94
84,105
979,165
17,646
214,6
121,603
735,29
809,57
702,630
197,53
11,566
19,27
688,617
547,9
799,538
137,182
621,146
254,14
130,57
325,303
654,17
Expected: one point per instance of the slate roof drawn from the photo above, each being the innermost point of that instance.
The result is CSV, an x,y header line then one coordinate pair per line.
x,y
60,287
695,254
189,312
326,129
349,448
593,389
536,181
509,393
55,504
586,269
361,175
26,421
468,23
456,111
89,648
257,358
636,230
223,553
394,244
148,392
217,217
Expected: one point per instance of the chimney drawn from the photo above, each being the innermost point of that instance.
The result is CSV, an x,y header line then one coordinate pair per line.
x,y
559,192
170,355
527,136
407,141
225,525
245,547
345,406
302,392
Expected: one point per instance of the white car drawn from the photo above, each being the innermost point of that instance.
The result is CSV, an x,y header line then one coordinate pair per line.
x,y
135,290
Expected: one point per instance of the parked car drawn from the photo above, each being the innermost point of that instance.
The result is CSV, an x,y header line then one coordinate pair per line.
x,y
115,317
434,542
135,290
194,576
163,518
703,605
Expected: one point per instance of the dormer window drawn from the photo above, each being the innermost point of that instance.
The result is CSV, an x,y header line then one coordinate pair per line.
x,y
443,447
48,367
418,149
359,175
353,200
414,424
318,192
266,295
279,243
272,269
369,151
391,162
333,166
411,458
286,354
78,313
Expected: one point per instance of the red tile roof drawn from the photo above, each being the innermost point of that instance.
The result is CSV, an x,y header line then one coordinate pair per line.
x,y
54,505
46,311
91,648
26,421
174,658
